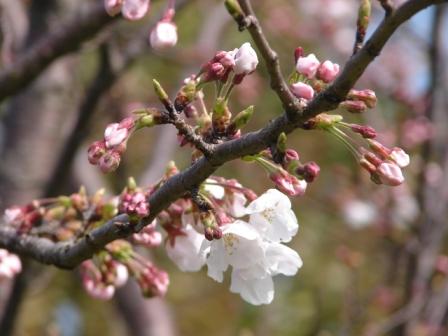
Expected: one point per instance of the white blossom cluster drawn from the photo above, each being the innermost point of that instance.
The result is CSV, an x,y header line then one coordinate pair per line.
x,y
254,248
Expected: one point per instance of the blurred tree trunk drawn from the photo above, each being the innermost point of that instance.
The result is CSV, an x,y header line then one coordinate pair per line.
x,y
35,125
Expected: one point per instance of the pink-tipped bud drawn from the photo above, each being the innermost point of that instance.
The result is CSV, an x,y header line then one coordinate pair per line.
x,y
400,157
115,135
148,236
364,163
310,171
135,204
298,52
226,58
208,233
366,96
390,174
217,233
96,151
366,132
109,161
135,9
308,65
287,183
113,7
290,155
353,106
302,90
246,60
327,71
373,159
379,148
153,281
163,36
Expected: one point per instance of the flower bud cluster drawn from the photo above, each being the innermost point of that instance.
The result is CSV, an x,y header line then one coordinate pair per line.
x,y
383,164
107,152
311,75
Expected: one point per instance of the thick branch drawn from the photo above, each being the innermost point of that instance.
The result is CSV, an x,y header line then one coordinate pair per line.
x,y
65,39
68,255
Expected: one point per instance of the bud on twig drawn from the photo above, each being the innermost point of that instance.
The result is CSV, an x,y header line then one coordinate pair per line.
x,y
161,94
362,24
241,120
234,9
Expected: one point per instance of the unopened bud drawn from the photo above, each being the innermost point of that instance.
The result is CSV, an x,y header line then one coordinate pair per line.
x,y
242,118
366,132
234,9
109,161
353,106
160,92
367,96
281,142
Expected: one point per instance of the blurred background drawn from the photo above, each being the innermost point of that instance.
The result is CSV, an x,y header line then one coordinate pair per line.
x,y
375,257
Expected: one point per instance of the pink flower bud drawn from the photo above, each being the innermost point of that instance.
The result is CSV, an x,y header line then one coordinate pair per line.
x,y
226,58
109,161
390,174
153,281
311,171
148,236
135,9
353,106
308,65
366,96
379,148
327,71
298,52
115,135
302,90
288,183
246,60
113,7
96,151
400,157
163,36
135,204
291,155
366,132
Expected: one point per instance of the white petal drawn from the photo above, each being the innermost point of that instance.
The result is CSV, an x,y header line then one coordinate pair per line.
x,y
254,291
216,191
238,206
282,259
186,252
217,262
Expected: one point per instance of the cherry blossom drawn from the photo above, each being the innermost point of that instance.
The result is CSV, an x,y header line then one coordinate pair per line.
x,y
390,174
302,90
308,65
163,35
271,215
246,60
185,250
327,71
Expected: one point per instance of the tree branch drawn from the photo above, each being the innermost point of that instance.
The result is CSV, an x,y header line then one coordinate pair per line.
x,y
65,39
69,255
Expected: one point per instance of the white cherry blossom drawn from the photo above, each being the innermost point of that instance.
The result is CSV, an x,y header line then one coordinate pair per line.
x,y
246,60
272,216
239,247
186,252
